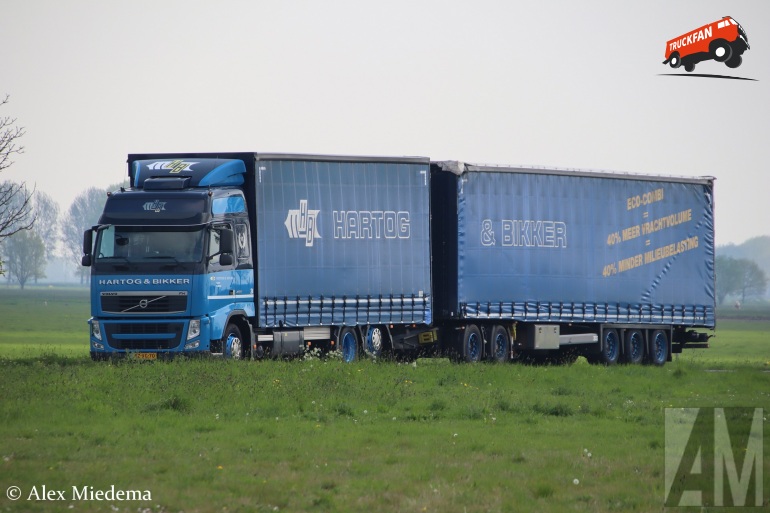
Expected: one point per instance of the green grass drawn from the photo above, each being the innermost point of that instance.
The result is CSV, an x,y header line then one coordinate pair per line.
x,y
210,435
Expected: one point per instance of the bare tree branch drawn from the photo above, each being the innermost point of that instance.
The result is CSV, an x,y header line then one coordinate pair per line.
x,y
16,211
9,137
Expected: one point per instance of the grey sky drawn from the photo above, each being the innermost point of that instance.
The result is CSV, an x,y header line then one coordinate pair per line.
x,y
571,84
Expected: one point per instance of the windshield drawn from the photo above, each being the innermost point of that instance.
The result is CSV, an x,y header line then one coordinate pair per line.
x,y
144,244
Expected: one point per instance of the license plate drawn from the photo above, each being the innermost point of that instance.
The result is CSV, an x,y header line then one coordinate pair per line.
x,y
146,356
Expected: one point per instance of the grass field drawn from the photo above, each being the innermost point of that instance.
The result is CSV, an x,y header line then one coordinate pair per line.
x,y
312,435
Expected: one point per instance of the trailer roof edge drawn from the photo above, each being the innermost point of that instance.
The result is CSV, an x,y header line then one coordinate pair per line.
x,y
458,168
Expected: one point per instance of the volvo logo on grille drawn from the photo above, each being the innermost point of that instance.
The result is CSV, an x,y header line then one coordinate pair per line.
x,y
143,303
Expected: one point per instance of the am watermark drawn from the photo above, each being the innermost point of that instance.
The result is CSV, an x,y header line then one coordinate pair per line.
x,y
714,457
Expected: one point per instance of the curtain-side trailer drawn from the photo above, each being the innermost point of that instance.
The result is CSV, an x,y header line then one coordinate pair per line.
x,y
557,262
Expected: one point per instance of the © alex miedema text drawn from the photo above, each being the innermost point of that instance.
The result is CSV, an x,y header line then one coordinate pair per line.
x,y
87,493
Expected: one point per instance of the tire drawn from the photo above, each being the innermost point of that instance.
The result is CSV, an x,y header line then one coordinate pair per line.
x,y
610,350
233,343
734,62
499,345
658,353
633,347
376,339
471,344
689,67
347,344
675,61
720,50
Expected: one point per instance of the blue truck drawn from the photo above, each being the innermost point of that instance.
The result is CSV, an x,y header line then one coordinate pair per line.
x,y
247,255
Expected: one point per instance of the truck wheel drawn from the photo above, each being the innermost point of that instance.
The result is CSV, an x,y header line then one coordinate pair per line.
x,y
658,348
720,50
347,344
734,62
633,347
500,345
471,344
674,61
375,341
611,348
689,67
233,342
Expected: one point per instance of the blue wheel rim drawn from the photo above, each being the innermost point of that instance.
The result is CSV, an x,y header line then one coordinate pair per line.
x,y
229,345
636,346
610,346
348,347
659,347
500,346
474,347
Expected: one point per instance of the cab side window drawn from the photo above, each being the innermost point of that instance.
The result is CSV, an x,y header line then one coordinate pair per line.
x,y
242,244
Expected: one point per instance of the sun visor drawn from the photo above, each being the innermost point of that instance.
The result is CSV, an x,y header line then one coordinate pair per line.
x,y
183,208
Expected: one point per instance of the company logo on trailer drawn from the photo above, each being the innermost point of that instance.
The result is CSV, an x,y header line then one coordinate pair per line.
x,y
154,206
302,223
172,166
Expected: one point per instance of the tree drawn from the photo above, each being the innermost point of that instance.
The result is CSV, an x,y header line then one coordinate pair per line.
x,y
753,280
15,200
46,221
81,215
739,276
25,254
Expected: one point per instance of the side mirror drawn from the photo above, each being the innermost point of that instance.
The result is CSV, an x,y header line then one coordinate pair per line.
x,y
88,242
226,241
226,247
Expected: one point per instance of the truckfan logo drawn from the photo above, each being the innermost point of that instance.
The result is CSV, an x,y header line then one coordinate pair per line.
x,y
302,223
154,206
723,41
172,166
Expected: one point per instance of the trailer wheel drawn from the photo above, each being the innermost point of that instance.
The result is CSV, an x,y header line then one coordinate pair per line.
x,y
375,341
347,343
471,343
633,346
500,344
233,342
610,350
674,61
689,67
658,348
734,62
720,50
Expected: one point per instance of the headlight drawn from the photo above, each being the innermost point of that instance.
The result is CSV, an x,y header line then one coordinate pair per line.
x,y
194,329
96,331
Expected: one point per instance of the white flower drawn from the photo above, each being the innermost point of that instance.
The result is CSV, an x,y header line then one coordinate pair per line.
x,y
576,481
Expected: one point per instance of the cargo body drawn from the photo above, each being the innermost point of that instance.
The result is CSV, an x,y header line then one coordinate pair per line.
x,y
519,248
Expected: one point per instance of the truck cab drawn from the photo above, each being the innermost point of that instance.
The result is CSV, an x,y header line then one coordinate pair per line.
x,y
171,263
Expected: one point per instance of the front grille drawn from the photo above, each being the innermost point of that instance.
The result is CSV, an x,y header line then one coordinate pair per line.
x,y
143,303
146,336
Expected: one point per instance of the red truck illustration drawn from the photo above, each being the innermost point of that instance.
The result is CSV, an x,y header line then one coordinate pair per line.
x,y
723,41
